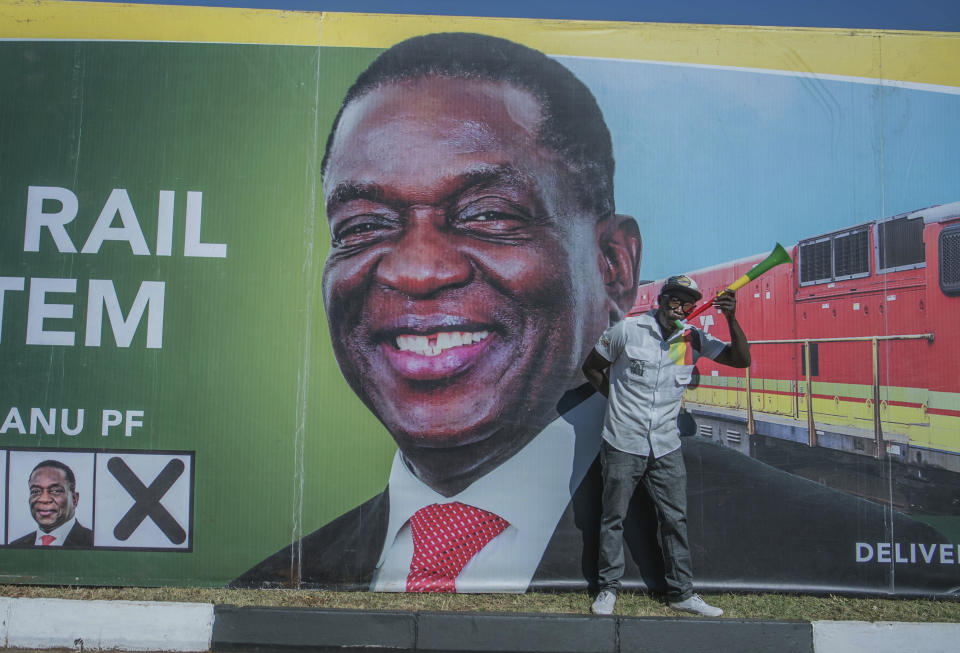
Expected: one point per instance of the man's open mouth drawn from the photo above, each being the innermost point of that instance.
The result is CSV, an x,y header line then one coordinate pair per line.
x,y
435,344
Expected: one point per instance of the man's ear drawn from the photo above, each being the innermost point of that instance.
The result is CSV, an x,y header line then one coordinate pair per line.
x,y
620,253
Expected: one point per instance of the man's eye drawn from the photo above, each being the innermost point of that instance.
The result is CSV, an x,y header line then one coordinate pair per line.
x,y
491,223
54,491
488,217
362,230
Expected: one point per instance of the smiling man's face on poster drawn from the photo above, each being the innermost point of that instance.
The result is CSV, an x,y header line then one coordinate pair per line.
x,y
464,286
53,500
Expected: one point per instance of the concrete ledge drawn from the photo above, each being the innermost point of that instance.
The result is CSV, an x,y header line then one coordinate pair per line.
x,y
105,625
662,635
526,633
5,605
469,632
884,637
313,629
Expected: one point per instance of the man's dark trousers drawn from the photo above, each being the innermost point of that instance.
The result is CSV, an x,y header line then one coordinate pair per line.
x,y
665,479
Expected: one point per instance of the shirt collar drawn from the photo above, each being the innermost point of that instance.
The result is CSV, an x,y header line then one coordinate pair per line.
x,y
530,490
60,532
648,320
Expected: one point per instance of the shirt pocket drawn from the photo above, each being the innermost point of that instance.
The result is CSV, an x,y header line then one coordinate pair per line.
x,y
681,375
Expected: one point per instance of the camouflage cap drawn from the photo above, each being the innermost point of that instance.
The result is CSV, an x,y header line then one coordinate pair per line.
x,y
682,283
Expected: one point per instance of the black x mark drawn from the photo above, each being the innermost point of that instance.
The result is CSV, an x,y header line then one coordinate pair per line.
x,y
147,499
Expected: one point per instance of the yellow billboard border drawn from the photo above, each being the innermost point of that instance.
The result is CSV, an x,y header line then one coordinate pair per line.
x,y
109,21
913,57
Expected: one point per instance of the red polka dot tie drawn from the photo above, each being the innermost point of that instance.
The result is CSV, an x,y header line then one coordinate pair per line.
x,y
445,537
47,540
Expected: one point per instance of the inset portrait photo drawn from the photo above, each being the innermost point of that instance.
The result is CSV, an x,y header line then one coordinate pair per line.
x,y
50,499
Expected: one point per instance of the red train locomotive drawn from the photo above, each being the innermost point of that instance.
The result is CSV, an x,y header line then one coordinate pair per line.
x,y
855,381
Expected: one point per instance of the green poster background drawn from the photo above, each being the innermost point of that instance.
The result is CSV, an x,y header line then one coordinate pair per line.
x,y
245,368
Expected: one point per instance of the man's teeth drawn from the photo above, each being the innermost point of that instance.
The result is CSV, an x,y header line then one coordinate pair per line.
x,y
437,343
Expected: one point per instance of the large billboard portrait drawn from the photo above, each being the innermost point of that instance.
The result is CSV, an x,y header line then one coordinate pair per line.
x,y
302,299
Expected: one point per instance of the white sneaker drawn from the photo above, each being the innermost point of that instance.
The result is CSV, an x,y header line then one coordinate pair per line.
x,y
604,603
696,605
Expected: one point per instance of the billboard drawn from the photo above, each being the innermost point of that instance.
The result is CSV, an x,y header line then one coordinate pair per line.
x,y
241,350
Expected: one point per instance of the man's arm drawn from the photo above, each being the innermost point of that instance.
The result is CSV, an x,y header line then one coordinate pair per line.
x,y
737,353
595,369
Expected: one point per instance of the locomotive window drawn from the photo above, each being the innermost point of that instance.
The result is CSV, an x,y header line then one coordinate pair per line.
x,y
900,244
839,256
950,260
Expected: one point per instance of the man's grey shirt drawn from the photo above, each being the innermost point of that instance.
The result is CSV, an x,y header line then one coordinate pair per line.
x,y
648,376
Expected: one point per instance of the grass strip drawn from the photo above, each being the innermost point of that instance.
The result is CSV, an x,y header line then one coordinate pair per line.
x,y
737,606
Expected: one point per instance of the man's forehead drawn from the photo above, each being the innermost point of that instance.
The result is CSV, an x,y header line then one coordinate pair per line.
x,y
47,471
420,139
453,98
477,176
451,117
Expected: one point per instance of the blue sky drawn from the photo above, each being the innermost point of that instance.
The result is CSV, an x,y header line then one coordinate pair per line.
x,y
720,164
876,14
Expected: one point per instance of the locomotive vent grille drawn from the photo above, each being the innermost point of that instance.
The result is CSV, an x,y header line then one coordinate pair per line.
x,y
834,257
706,431
950,260
733,437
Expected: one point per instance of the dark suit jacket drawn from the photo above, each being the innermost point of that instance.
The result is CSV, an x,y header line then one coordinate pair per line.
x,y
751,527
79,537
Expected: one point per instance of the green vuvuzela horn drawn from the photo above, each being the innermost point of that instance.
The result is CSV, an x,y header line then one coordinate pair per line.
x,y
777,256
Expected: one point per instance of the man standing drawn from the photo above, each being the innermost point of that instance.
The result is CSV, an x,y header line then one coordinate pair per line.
x,y
53,504
652,364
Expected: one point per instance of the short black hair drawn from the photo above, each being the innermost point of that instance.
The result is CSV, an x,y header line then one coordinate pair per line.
x,y
573,124
71,479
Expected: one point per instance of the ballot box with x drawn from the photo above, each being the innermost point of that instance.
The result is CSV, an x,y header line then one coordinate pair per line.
x,y
144,500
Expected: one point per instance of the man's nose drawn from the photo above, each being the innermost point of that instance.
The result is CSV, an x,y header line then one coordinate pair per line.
x,y
425,260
